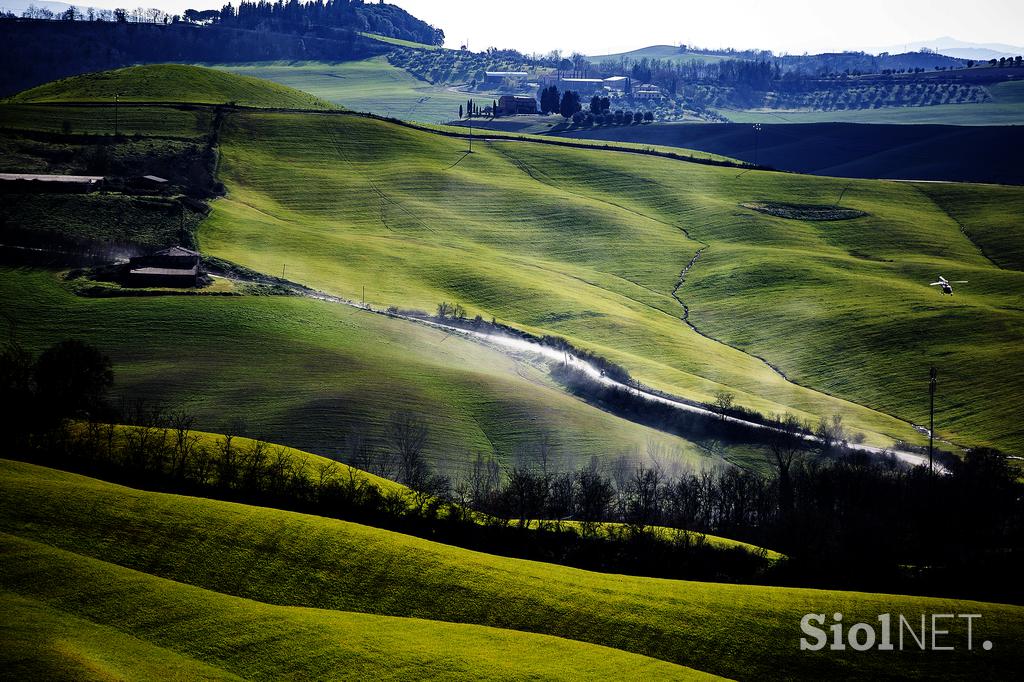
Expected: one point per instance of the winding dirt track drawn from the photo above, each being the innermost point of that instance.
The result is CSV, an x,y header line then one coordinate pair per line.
x,y
516,345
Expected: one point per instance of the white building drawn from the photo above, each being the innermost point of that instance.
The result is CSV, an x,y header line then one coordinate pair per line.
x,y
648,91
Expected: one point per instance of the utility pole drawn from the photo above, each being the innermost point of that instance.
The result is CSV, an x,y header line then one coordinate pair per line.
x,y
116,99
284,266
471,135
931,419
757,131
364,295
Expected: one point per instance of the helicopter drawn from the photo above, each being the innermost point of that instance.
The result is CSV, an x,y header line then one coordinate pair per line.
x,y
947,286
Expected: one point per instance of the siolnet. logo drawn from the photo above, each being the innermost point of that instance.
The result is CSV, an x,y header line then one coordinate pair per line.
x,y
936,632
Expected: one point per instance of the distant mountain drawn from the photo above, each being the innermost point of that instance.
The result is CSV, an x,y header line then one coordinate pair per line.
x,y
956,48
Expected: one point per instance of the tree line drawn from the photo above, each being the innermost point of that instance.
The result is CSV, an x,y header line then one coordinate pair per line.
x,y
844,519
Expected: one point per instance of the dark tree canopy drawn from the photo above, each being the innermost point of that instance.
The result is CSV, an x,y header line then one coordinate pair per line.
x,y
72,377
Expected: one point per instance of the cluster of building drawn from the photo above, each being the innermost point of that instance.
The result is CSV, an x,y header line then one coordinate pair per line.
x,y
614,86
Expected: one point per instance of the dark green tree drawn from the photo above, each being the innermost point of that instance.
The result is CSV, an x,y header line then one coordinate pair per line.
x,y
72,378
570,104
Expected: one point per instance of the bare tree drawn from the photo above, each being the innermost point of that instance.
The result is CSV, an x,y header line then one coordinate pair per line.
x,y
784,444
408,434
360,450
184,441
594,495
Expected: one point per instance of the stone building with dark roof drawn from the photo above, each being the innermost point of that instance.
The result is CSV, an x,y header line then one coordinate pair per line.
x,y
173,267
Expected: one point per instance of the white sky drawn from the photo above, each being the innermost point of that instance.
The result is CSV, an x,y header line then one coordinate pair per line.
x,y
793,26
602,27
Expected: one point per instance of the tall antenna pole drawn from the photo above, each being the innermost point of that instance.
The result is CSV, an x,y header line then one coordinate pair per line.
x,y
931,419
757,130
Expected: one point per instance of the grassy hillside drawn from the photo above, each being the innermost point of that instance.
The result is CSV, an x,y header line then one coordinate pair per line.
x,y
66,614
401,43
309,373
170,83
590,245
300,561
989,216
1006,108
669,52
149,121
371,85
925,152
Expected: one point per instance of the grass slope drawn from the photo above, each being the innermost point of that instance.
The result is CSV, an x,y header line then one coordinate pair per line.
x,y
172,122
398,41
371,85
924,152
590,244
663,52
308,373
170,83
150,623
294,560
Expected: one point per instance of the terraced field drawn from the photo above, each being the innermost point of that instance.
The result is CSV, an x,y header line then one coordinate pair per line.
x,y
350,593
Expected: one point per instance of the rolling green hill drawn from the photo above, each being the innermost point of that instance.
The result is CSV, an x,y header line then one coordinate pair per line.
x,y
590,244
310,373
68,615
369,85
921,152
170,83
666,52
60,524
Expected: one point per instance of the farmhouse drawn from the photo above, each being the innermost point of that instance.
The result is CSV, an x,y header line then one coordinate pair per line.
x,y
618,84
647,91
173,267
510,105
32,182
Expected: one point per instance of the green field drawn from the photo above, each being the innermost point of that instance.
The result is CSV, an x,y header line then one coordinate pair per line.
x,y
664,52
308,374
399,42
589,245
371,85
1006,108
149,121
102,581
224,558
70,616
169,83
